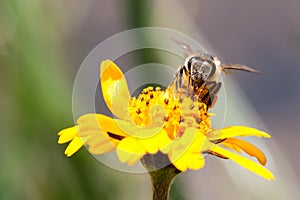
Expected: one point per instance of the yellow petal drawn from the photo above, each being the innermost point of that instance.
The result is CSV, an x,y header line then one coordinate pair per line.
x,y
74,146
185,152
98,142
231,146
130,150
247,148
189,161
135,158
193,140
187,139
245,162
94,133
114,88
168,148
67,134
99,139
88,133
156,142
102,122
101,148
234,131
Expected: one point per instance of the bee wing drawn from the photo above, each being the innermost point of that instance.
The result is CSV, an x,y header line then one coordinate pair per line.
x,y
183,45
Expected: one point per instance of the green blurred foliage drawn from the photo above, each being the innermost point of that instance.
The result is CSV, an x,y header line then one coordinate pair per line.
x,y
35,89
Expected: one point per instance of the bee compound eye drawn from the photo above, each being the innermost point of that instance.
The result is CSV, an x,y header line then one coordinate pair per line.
x,y
196,65
208,69
192,63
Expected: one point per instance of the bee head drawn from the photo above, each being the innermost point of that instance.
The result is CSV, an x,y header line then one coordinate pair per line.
x,y
200,67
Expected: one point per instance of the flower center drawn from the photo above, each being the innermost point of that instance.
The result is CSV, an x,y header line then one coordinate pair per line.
x,y
155,108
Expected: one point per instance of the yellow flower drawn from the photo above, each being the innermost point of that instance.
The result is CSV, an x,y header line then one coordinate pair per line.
x,y
158,122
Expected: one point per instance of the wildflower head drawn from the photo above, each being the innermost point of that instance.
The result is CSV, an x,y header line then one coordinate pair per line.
x,y
158,122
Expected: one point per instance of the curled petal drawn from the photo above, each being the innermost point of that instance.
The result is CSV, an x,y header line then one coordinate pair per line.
x,y
114,89
247,148
234,131
245,162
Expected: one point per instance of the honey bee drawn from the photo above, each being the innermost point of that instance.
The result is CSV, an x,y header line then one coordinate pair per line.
x,y
197,78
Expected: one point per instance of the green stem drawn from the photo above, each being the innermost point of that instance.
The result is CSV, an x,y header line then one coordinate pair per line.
x,y
162,173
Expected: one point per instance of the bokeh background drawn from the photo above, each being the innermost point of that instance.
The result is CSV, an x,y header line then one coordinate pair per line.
x,y
42,44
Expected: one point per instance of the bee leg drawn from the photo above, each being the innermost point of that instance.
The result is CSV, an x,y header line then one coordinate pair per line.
x,y
188,86
213,89
178,76
214,101
204,96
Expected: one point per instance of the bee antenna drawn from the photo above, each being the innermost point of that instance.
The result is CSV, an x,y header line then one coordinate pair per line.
x,y
239,67
183,45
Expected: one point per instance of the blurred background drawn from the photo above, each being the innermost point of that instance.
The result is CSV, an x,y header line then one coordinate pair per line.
x,y
43,43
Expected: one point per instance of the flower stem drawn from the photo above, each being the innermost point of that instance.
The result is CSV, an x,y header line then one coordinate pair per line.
x,y
162,173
